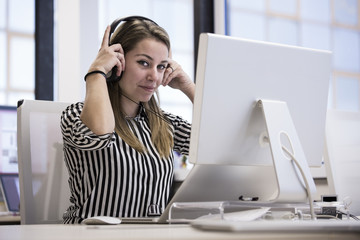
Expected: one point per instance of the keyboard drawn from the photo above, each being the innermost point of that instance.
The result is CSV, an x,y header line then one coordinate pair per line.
x,y
279,225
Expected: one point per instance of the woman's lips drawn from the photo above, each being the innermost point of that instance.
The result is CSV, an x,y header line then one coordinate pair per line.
x,y
148,88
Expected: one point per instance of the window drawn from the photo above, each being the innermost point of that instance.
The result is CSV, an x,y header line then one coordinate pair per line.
x,y
17,57
323,24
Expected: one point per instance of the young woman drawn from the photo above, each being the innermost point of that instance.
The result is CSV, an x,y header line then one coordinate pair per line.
x,y
118,143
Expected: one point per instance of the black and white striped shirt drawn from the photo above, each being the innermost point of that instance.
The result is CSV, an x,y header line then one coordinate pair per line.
x,y
108,177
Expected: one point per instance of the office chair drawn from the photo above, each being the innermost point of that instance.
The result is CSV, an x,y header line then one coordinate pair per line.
x,y
44,190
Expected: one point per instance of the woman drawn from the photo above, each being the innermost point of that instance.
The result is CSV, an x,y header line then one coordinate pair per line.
x,y
118,143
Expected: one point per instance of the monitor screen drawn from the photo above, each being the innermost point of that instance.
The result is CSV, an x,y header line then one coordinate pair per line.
x,y
10,191
8,140
232,74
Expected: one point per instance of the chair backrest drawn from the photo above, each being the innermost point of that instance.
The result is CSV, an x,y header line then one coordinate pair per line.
x,y
44,189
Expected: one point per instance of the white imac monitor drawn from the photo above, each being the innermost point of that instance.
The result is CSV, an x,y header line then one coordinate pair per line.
x,y
229,127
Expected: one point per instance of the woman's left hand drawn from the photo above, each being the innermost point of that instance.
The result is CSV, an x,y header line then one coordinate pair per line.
x,y
176,78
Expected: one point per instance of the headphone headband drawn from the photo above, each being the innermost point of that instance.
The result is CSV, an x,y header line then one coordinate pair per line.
x,y
113,26
116,22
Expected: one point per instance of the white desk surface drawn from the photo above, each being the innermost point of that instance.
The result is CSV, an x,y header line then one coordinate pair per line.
x,y
146,231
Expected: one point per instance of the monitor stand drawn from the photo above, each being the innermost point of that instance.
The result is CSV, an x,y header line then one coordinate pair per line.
x,y
281,132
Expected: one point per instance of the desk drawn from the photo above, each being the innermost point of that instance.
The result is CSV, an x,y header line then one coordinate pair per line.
x,y
9,219
145,231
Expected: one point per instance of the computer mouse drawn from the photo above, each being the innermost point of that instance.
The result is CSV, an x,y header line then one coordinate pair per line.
x,y
101,220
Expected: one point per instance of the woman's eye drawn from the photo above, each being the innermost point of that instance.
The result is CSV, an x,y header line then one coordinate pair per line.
x,y
161,67
143,63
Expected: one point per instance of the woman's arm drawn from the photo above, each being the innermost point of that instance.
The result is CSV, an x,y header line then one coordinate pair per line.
x,y
97,113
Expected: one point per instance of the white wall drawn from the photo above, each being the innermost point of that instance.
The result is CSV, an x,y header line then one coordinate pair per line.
x,y
77,44
68,50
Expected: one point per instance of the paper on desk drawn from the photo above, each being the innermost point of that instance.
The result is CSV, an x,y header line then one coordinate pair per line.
x,y
244,216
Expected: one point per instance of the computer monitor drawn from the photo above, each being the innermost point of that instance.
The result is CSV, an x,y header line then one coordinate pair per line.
x,y
232,74
229,127
9,184
8,140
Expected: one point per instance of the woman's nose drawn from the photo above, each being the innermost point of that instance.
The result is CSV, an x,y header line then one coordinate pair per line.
x,y
153,74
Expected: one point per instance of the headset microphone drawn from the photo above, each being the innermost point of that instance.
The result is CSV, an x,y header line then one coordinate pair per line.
x,y
149,110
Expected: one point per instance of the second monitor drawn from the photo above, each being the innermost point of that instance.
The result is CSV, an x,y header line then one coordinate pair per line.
x,y
229,128
232,74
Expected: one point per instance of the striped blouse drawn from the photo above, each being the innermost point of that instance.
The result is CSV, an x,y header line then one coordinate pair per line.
x,y
108,177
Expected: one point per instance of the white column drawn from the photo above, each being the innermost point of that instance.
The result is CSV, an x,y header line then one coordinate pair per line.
x,y
219,16
77,45
89,35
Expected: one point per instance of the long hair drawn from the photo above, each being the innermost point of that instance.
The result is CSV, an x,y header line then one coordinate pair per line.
x,y
128,35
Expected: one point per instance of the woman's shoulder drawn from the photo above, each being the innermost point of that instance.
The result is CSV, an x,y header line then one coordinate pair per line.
x,y
169,115
72,111
175,119
74,107
77,105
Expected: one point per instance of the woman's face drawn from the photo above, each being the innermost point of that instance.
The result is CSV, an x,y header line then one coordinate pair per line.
x,y
144,69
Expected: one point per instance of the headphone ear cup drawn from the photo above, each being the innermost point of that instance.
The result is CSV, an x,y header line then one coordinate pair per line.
x,y
113,77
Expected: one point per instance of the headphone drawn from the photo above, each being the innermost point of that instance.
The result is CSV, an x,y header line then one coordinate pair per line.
x,y
113,26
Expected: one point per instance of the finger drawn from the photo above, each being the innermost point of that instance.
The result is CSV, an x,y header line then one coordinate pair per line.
x,y
167,73
169,70
122,63
117,48
119,68
166,82
121,58
169,78
105,40
177,75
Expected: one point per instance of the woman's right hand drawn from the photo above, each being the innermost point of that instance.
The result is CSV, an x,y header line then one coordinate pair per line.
x,y
97,113
109,56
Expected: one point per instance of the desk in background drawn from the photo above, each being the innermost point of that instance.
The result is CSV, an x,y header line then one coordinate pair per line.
x,y
6,218
9,220
147,231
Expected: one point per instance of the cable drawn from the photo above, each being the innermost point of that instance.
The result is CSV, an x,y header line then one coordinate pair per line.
x,y
149,109
351,215
312,211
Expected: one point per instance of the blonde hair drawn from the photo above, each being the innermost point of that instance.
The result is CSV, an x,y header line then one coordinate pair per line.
x,y
129,34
